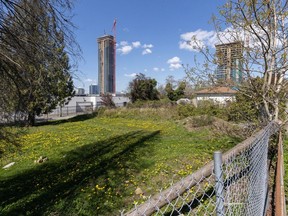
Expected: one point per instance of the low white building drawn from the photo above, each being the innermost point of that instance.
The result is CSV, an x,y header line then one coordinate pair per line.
x,y
220,95
86,103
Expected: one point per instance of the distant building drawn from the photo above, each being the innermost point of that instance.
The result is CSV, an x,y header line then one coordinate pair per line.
x,y
80,91
106,64
80,104
220,95
229,62
93,89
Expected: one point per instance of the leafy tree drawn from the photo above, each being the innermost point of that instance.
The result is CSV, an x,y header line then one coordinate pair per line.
x,y
143,88
34,60
243,108
170,92
58,10
180,91
176,94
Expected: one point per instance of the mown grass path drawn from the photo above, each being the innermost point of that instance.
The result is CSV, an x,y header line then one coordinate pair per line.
x,y
96,164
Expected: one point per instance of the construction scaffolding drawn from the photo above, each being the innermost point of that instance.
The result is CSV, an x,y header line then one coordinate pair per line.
x,y
229,61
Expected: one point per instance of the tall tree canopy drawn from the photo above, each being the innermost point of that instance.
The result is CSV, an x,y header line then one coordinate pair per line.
x,y
34,66
143,88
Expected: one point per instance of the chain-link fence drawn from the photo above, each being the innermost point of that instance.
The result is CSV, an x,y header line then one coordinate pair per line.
x,y
70,111
235,183
65,112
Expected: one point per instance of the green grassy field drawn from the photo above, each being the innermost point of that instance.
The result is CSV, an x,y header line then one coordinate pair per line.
x,y
95,164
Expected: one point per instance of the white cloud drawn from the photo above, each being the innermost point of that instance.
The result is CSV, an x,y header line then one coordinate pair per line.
x,y
130,75
193,40
123,43
146,52
145,70
174,63
125,49
174,60
175,66
88,80
136,44
149,46
156,69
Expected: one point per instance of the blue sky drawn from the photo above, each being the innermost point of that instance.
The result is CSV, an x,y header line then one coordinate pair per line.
x,y
151,36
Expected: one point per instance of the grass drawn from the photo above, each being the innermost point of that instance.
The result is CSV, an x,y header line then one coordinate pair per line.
x,y
96,163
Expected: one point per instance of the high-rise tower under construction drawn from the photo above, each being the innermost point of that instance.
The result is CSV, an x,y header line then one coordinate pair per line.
x,y
106,64
229,61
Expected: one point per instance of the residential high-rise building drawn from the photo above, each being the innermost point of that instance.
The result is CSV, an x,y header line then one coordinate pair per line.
x,y
93,89
106,64
229,60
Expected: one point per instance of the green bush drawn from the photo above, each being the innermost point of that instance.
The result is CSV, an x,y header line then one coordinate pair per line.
x,y
186,110
240,111
151,104
211,108
204,108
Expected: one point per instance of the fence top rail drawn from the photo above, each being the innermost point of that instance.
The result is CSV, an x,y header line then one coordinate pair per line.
x,y
159,200
270,129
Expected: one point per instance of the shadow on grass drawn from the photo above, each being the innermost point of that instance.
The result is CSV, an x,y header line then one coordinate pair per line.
x,y
77,118
10,139
98,171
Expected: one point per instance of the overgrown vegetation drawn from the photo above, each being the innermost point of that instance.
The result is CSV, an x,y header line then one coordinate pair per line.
x,y
96,163
143,88
107,100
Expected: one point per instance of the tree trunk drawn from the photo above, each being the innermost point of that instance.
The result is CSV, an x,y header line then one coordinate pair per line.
x,y
31,119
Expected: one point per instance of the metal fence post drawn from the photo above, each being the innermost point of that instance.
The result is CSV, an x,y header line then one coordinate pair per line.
x,y
219,186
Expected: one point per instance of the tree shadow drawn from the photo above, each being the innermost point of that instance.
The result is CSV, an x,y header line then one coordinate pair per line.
x,y
11,139
108,162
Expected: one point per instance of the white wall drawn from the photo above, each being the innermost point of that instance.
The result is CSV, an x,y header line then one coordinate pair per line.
x,y
96,100
83,103
222,99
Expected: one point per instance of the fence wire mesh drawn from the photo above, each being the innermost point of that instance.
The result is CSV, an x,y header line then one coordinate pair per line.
x,y
238,187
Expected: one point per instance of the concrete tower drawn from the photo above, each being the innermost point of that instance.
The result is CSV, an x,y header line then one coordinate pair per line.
x,y
106,64
229,61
